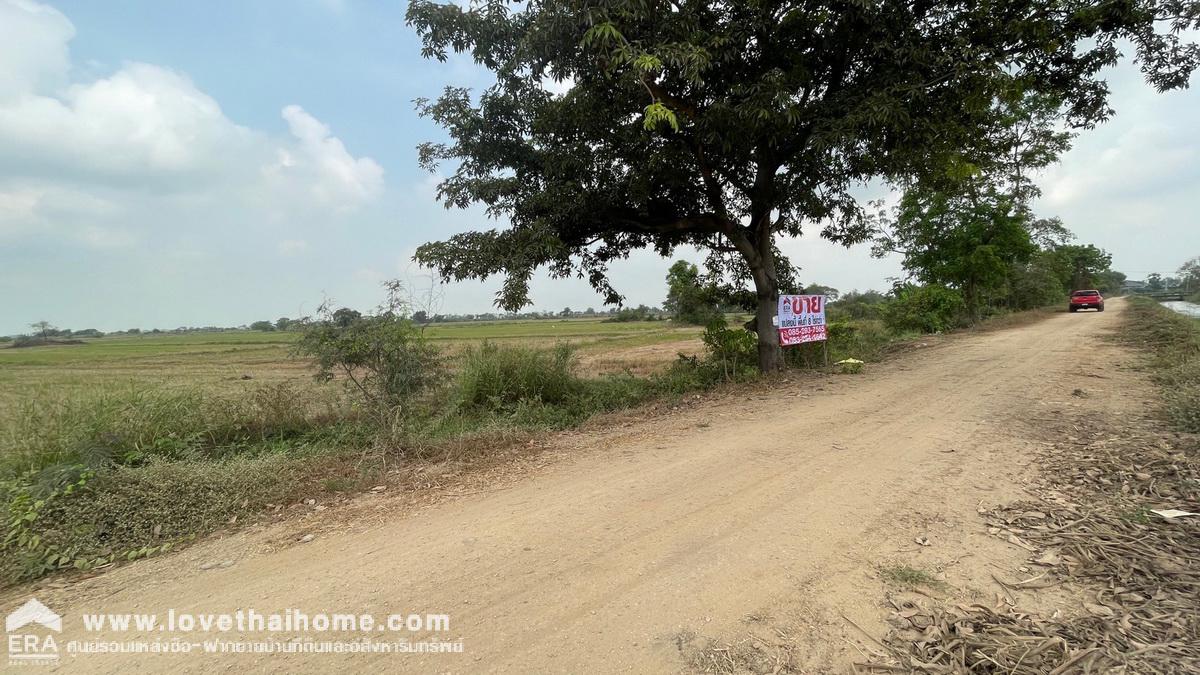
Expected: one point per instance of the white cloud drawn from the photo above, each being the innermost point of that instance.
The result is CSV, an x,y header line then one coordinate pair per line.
x,y
336,175
61,213
145,133
33,47
17,211
141,122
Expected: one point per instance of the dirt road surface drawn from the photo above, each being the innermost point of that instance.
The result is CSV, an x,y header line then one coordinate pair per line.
x,y
753,525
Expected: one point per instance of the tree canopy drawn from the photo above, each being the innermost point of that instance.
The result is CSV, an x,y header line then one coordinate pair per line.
x,y
1189,274
690,299
726,125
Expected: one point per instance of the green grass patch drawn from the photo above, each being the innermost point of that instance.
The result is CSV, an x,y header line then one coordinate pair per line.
x,y
909,577
1172,343
73,518
1140,515
131,425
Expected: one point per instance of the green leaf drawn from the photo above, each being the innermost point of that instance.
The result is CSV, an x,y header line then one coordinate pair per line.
x,y
656,114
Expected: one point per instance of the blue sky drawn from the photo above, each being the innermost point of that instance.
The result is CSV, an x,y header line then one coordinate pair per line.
x,y
178,163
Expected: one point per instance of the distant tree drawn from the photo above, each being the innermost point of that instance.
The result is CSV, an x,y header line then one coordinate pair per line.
x,y
1154,282
856,305
345,316
88,332
1086,263
262,325
689,298
1110,282
1189,274
817,289
134,331
43,329
420,317
282,323
628,314
566,313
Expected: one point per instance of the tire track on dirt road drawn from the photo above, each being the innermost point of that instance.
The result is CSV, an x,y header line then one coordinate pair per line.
x,y
777,504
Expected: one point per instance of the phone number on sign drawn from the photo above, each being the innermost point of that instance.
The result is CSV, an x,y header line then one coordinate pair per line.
x,y
800,334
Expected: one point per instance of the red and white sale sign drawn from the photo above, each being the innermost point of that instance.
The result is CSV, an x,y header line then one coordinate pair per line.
x,y
801,319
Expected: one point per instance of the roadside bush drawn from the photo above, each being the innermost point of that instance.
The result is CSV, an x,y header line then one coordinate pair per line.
x,y
863,340
731,352
730,355
505,387
385,360
613,392
928,309
70,517
686,373
498,377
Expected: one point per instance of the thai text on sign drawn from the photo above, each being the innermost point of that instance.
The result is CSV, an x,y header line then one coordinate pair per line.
x,y
801,319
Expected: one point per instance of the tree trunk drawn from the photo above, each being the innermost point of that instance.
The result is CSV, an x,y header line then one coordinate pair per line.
x,y
770,355
766,288
759,255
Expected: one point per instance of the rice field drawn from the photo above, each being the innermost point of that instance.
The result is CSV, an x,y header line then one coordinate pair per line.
x,y
237,360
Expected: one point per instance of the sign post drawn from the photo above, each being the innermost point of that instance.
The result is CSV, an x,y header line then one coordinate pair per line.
x,y
801,320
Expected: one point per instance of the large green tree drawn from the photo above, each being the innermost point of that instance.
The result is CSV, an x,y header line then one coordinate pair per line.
x,y
1084,266
689,298
971,227
966,239
724,125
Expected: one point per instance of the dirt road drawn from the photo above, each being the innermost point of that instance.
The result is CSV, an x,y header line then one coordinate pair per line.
x,y
750,526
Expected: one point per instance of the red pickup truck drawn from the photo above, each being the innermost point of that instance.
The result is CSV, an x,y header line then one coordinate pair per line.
x,y
1086,300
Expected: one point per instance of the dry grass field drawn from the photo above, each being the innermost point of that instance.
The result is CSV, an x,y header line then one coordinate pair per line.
x,y
239,360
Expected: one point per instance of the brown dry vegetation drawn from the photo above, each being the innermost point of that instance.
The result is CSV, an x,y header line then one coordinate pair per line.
x,y
1090,528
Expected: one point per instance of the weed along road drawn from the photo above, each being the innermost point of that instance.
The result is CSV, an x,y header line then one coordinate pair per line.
x,y
754,527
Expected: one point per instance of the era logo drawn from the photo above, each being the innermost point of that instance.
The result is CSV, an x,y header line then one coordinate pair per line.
x,y
26,646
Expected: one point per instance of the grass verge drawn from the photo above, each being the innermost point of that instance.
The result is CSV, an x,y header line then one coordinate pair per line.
x,y
1172,344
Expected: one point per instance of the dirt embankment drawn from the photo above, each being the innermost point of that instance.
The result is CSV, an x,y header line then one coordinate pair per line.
x,y
760,530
